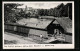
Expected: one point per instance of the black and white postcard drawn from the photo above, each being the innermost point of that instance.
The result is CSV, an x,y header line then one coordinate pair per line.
x,y
38,25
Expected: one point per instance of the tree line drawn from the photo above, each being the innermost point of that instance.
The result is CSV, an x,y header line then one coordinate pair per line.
x,y
59,11
11,15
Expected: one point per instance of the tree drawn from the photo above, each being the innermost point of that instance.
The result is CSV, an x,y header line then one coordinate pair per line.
x,y
70,10
60,10
9,12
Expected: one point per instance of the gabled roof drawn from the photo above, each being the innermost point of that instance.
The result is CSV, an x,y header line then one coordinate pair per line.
x,y
55,22
66,23
34,22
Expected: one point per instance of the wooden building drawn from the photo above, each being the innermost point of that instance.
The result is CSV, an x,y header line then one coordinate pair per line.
x,y
39,27
61,28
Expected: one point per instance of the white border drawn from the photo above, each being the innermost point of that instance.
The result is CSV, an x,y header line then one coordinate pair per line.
x,y
42,46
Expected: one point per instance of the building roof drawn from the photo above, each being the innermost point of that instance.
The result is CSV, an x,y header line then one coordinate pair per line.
x,y
48,17
34,22
66,23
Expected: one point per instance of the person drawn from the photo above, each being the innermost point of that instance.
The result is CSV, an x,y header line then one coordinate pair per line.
x,y
41,36
55,34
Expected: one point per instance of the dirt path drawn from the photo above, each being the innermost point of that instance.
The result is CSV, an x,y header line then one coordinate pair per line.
x,y
19,39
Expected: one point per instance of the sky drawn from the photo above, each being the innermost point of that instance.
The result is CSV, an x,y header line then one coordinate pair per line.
x,y
40,5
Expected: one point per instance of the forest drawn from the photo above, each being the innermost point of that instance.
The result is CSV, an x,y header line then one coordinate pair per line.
x,y
59,11
11,15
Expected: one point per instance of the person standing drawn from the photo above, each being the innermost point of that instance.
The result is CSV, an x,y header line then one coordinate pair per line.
x,y
41,37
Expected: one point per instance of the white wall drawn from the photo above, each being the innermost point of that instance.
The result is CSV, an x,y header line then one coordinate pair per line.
x,y
38,32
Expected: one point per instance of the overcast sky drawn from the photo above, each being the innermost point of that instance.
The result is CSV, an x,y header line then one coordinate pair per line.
x,y
42,5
